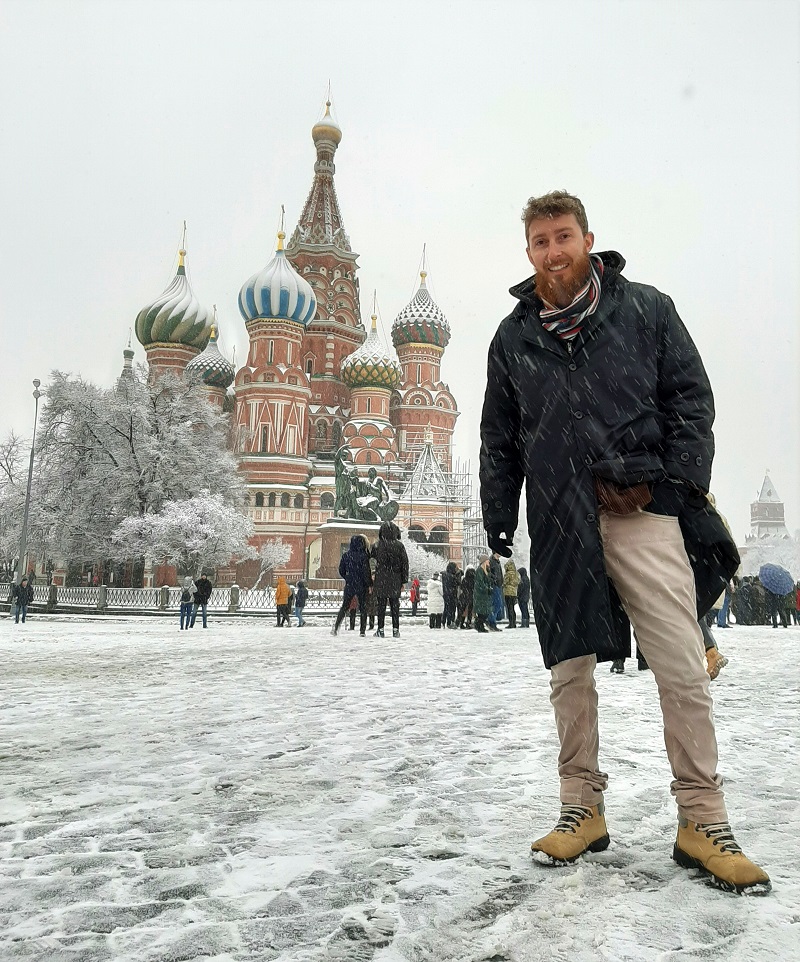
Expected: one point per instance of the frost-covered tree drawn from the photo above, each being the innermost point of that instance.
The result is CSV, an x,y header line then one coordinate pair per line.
x,y
200,532
273,554
104,455
12,501
421,563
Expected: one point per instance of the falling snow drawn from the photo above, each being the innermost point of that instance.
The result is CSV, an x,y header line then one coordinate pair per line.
x,y
249,793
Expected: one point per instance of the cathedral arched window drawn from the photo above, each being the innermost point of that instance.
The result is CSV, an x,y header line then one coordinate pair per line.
x,y
368,457
271,500
322,432
419,373
264,437
298,501
309,366
369,405
271,352
259,500
284,500
327,501
417,533
337,433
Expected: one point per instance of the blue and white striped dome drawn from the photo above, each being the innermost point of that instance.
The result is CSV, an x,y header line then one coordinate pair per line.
x,y
278,292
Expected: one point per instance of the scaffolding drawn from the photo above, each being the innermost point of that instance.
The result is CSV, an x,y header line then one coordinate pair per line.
x,y
445,515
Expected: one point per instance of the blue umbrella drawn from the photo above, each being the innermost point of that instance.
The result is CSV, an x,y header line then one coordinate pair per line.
x,y
776,579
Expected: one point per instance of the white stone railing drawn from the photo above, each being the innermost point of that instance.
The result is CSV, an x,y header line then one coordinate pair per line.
x,y
232,599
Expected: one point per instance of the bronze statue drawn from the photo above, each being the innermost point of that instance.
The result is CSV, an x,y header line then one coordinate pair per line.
x,y
367,500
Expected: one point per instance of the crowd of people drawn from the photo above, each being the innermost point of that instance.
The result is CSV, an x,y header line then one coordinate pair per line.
x,y
753,604
480,598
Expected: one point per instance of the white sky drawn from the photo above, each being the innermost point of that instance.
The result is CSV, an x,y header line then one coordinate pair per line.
x,y
676,123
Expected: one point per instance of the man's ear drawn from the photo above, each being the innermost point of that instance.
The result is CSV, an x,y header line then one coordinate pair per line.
x,y
588,240
528,252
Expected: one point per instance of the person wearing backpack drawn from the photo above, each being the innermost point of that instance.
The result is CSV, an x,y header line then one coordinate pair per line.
x,y
188,592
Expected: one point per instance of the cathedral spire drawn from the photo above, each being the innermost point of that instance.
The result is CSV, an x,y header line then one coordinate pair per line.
x,y
321,223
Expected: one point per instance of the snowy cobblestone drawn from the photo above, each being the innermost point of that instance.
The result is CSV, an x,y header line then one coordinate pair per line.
x,y
243,794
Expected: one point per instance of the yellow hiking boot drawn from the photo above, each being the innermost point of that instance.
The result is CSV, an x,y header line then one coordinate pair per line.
x,y
578,830
715,662
713,849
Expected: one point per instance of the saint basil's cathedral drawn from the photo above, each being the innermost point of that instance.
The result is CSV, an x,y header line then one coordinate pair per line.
x,y
315,379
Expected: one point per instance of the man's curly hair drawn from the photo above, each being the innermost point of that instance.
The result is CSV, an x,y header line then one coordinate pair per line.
x,y
554,204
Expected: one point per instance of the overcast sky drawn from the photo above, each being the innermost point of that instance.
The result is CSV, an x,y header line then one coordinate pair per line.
x,y
676,123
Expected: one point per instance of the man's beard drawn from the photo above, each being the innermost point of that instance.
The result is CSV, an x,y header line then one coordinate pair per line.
x,y
560,293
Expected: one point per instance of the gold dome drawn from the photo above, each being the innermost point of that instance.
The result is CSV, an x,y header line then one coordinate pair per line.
x,y
327,128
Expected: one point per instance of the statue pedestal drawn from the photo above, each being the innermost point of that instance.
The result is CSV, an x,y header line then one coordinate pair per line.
x,y
336,534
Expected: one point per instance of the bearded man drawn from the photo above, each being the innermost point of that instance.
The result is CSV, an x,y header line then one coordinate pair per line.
x,y
598,401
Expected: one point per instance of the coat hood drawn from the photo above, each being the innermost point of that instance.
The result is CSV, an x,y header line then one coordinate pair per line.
x,y
613,263
357,544
388,532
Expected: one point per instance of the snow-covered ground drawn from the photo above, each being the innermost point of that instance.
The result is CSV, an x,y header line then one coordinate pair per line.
x,y
249,793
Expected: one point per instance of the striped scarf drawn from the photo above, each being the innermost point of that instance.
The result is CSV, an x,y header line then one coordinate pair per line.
x,y
566,322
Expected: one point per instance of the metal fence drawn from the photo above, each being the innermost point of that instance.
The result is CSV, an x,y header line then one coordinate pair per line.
x,y
231,599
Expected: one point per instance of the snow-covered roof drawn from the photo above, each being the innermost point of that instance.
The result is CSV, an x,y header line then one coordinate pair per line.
x,y
768,493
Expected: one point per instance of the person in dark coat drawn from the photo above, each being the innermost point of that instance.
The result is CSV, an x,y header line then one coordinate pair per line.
x,y
300,601
21,597
523,598
482,596
354,568
597,400
201,598
465,595
391,573
450,583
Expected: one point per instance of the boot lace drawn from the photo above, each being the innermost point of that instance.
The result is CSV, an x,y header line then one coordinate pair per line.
x,y
720,833
571,816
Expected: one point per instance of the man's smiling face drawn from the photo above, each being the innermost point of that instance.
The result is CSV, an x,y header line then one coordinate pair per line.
x,y
559,250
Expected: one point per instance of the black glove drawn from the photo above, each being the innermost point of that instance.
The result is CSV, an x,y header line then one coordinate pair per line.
x,y
500,539
669,497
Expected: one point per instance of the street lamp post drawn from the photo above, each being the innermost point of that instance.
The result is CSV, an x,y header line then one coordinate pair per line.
x,y
23,538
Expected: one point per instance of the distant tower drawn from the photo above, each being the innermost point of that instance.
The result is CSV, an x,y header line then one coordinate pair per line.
x,y
320,251
420,334
372,373
126,376
766,514
212,369
174,327
272,392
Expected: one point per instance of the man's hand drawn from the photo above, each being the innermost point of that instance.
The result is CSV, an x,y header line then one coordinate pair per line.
x,y
500,539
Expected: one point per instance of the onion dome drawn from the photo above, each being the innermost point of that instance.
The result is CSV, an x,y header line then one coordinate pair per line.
x,y
176,316
278,292
327,128
211,366
371,365
421,321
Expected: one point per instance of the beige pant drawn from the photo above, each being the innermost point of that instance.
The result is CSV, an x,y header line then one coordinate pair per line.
x,y
647,563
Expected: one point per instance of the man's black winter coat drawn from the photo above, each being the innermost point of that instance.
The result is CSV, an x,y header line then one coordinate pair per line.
x,y
628,400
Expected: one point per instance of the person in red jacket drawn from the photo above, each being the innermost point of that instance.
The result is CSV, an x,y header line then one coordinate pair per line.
x,y
414,596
